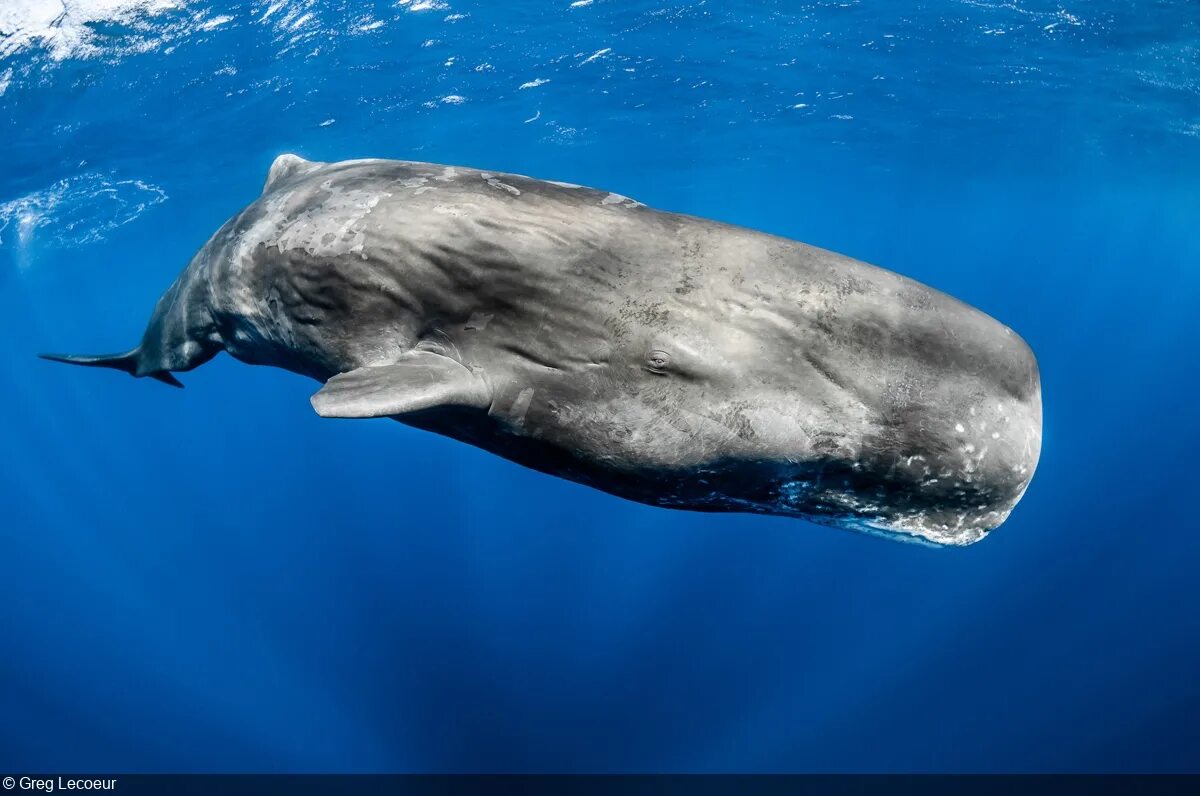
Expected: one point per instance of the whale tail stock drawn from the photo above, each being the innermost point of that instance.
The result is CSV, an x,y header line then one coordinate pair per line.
x,y
127,362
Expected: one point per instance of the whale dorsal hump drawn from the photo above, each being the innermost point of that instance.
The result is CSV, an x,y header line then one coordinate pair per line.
x,y
421,380
287,166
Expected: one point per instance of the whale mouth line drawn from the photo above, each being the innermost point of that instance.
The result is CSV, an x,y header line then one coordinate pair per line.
x,y
906,535
918,527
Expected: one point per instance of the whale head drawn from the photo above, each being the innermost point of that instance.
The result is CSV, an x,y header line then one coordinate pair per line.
x,y
889,408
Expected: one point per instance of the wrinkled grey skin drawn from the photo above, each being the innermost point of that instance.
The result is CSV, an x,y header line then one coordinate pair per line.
x,y
668,359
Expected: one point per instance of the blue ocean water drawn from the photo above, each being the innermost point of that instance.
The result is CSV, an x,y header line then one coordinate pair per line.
x,y
215,579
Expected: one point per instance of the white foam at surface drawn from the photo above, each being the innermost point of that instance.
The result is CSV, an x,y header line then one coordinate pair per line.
x,y
214,22
423,5
63,28
275,6
595,55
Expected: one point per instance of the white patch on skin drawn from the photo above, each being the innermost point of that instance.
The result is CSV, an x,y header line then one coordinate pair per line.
x,y
495,183
617,199
329,229
520,406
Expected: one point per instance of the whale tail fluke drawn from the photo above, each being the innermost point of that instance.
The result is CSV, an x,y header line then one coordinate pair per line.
x,y
127,362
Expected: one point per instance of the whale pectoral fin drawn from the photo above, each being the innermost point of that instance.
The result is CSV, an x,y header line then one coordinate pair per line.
x,y
422,380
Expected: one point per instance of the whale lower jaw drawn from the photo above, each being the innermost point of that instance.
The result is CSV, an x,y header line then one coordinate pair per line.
x,y
919,529
927,528
926,525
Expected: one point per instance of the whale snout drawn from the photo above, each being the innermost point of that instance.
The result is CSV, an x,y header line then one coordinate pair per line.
x,y
931,436
967,457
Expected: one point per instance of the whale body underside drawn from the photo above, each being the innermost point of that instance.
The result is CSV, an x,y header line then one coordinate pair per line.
x,y
668,359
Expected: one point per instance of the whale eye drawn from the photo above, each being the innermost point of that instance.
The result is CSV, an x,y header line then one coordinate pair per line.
x,y
657,361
